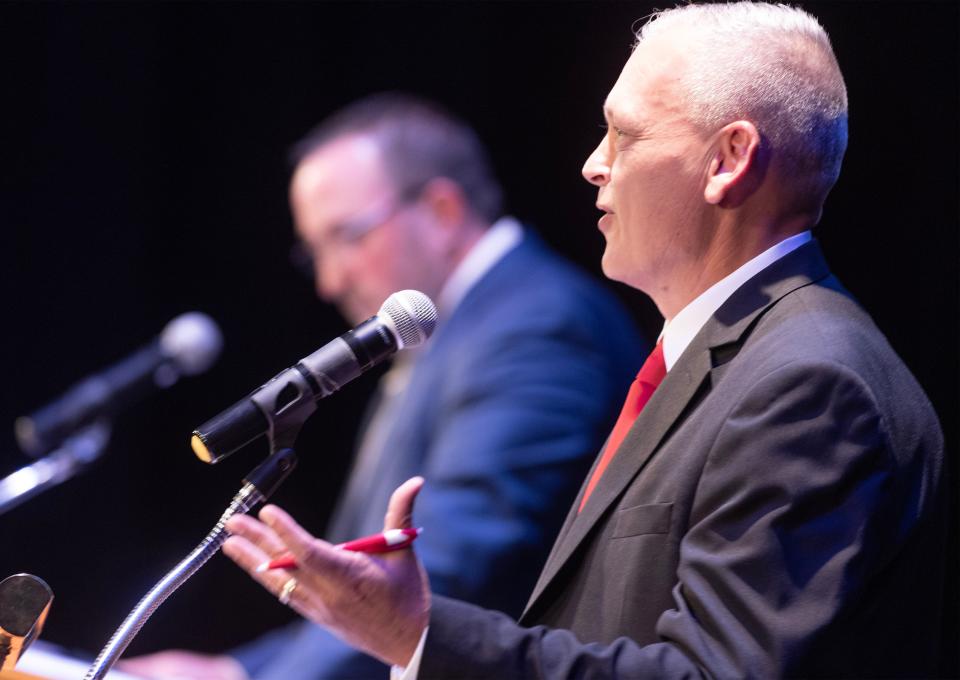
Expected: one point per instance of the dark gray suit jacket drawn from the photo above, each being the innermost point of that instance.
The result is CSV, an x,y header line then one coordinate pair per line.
x,y
775,511
502,415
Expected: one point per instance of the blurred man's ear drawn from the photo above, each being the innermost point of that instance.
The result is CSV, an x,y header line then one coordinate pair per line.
x,y
446,201
734,171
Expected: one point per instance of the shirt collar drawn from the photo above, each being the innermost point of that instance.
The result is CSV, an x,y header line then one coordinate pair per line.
x,y
679,331
502,237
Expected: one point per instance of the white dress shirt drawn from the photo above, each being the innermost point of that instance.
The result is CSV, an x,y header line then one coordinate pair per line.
x,y
503,236
679,331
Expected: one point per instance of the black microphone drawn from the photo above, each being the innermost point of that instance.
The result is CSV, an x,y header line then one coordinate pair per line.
x,y
188,345
281,406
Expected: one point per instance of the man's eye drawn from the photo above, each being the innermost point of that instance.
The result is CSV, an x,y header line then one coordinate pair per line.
x,y
617,131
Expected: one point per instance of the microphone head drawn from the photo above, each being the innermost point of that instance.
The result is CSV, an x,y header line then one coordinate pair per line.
x,y
412,316
192,341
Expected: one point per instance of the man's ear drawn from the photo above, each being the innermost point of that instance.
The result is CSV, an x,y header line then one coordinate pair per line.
x,y
734,171
446,202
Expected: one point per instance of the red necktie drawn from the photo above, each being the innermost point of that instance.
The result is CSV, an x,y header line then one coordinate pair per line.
x,y
650,376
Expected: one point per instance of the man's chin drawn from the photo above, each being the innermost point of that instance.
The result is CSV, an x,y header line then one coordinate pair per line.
x,y
608,266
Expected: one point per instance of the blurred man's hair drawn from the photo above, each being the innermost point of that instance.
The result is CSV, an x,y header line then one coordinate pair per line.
x,y
419,141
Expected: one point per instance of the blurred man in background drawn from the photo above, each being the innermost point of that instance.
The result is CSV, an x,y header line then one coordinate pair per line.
x,y
501,411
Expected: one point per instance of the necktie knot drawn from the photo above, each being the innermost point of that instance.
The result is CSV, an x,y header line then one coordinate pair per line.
x,y
654,368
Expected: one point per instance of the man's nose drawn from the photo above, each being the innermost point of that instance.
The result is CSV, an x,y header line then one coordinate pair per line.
x,y
597,168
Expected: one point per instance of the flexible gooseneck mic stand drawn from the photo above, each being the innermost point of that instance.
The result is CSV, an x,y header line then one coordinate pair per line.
x,y
258,486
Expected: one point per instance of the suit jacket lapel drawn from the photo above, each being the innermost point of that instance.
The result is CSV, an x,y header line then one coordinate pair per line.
x,y
643,439
716,344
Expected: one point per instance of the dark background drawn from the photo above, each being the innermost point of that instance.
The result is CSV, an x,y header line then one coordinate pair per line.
x,y
144,174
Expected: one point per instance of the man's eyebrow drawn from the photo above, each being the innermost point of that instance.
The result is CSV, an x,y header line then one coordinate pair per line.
x,y
612,117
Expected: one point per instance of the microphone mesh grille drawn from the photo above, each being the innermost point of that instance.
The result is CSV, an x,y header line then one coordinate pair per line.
x,y
412,315
193,341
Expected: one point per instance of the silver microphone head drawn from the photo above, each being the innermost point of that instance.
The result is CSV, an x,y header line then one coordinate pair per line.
x,y
412,316
192,341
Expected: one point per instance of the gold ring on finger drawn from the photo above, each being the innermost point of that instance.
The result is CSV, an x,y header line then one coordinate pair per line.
x,y
287,590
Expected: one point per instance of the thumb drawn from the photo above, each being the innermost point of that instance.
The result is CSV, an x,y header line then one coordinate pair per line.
x,y
400,510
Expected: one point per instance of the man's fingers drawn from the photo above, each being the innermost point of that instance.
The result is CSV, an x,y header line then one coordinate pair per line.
x,y
309,551
400,510
285,527
257,533
248,556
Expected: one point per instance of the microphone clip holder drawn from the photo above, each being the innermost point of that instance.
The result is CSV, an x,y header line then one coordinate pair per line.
x,y
289,400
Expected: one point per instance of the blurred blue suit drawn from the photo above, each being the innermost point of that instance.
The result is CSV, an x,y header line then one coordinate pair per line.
x,y
503,413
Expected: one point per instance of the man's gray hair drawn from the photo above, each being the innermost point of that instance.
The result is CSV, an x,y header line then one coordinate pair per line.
x,y
772,65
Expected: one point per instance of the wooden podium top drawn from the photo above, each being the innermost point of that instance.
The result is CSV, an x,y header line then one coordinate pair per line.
x,y
17,675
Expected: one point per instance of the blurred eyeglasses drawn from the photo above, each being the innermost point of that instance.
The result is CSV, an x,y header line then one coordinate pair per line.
x,y
345,237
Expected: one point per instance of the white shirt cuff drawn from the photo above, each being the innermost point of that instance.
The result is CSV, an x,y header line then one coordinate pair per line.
x,y
412,669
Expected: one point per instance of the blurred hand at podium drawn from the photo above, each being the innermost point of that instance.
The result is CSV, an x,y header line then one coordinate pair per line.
x,y
176,663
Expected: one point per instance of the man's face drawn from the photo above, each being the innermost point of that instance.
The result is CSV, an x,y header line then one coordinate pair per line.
x,y
365,241
650,168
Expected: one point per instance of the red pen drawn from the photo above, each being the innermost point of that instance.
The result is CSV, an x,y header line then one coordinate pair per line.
x,y
388,541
